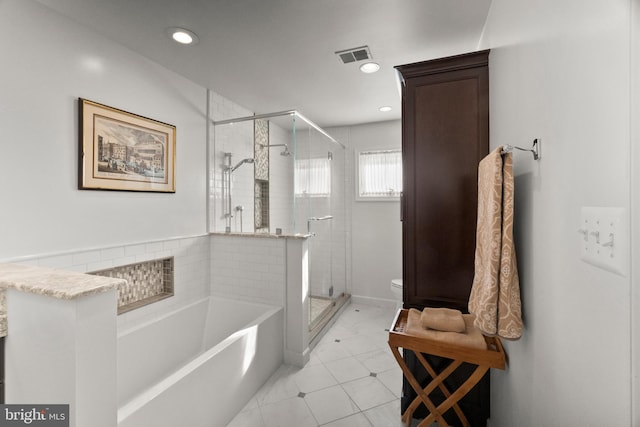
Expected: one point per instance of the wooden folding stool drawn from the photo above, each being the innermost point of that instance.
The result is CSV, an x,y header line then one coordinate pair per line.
x,y
492,357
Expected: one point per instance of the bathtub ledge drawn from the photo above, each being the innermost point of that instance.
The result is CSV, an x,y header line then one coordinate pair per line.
x,y
54,283
262,235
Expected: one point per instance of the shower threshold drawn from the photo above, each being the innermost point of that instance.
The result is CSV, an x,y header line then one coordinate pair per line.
x,y
322,311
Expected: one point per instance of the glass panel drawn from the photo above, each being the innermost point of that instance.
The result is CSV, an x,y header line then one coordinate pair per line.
x,y
281,167
319,223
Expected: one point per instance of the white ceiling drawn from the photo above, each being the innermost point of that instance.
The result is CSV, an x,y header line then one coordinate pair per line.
x,y
274,55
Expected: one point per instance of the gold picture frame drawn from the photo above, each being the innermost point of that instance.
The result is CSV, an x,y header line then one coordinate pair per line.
x,y
124,151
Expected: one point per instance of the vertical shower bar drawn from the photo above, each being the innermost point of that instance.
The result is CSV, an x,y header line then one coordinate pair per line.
x,y
227,173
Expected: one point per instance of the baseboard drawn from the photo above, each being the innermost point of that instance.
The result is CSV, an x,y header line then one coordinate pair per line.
x,y
375,302
296,358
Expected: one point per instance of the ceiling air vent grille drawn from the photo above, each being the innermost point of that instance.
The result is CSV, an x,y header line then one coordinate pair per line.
x,y
355,54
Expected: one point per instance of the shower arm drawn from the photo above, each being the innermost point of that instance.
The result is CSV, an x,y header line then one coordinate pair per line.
x,y
286,151
240,163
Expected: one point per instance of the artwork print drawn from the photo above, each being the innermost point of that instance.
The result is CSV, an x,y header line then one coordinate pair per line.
x,y
124,151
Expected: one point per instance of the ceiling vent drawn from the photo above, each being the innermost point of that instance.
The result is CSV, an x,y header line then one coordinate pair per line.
x,y
354,55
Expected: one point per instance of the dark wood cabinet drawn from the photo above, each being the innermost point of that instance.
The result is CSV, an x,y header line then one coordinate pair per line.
x,y
445,134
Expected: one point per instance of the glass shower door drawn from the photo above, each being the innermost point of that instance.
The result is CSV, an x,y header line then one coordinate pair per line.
x,y
314,216
320,271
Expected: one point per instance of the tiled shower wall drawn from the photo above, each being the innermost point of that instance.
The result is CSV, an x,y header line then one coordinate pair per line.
x,y
280,181
236,139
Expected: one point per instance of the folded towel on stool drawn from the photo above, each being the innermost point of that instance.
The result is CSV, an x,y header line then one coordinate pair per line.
x,y
472,338
442,319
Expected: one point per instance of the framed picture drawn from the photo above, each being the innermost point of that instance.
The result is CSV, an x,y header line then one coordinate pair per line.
x,y
124,151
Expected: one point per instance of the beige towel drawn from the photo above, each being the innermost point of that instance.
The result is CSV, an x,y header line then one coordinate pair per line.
x,y
442,319
495,293
471,338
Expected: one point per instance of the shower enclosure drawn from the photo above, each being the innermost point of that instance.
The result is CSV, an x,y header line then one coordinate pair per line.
x,y
281,174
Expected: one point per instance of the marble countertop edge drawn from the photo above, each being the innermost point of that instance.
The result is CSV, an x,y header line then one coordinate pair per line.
x,y
59,284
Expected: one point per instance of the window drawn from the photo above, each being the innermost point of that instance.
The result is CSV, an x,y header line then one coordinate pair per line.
x,y
313,177
379,174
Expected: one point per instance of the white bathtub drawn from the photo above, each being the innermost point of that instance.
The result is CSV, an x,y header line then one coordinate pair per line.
x,y
197,366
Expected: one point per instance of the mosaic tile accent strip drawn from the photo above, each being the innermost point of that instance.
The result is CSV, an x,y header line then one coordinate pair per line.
x,y
261,175
261,150
261,206
147,282
257,205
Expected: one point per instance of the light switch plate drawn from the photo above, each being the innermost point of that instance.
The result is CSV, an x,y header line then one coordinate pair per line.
x,y
603,238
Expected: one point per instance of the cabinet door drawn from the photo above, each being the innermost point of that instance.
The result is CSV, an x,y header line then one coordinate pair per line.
x,y
445,134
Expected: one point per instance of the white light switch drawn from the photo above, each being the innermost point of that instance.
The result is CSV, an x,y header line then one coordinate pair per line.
x,y
603,238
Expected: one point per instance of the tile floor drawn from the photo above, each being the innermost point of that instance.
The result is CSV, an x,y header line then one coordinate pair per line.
x,y
352,380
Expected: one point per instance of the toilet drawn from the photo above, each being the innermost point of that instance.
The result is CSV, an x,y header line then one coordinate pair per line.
x,y
396,290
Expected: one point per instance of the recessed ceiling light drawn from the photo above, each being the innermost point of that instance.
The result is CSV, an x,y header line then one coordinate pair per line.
x,y
385,108
182,35
369,67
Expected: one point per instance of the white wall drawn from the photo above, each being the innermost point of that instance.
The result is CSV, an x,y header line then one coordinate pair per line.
x,y
376,230
48,62
560,71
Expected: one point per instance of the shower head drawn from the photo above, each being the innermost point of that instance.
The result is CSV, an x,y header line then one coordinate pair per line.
x,y
240,163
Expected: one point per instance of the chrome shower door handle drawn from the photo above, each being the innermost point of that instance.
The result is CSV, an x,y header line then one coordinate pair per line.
x,y
316,218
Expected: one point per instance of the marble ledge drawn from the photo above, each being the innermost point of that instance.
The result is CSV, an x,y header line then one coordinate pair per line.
x,y
261,235
54,283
